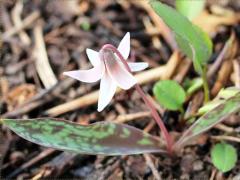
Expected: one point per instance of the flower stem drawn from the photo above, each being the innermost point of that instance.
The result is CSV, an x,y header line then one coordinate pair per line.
x,y
156,117
153,110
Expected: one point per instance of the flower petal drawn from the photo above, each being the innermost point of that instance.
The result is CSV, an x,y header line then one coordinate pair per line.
x,y
107,90
124,46
93,57
137,66
121,76
91,75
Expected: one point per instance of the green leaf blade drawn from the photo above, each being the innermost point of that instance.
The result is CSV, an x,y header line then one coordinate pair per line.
x,y
192,40
205,47
189,8
224,156
104,138
169,94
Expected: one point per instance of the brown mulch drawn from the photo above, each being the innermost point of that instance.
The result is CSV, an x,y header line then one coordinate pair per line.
x,y
64,29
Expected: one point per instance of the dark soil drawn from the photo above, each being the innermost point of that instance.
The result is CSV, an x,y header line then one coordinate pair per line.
x,y
69,27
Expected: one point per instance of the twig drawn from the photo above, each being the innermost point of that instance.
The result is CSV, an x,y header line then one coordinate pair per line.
x,y
160,109
129,117
167,35
172,65
224,128
213,174
39,175
147,156
194,105
150,125
43,67
108,25
26,23
33,161
16,16
109,170
152,167
60,164
7,26
149,27
227,138
223,76
209,22
222,55
40,99
236,68
182,69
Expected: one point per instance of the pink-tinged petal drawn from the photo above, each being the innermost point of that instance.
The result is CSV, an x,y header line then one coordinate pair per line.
x,y
118,73
91,75
93,57
124,46
137,66
107,90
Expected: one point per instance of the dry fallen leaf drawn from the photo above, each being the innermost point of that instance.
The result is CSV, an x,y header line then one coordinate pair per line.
x,y
19,95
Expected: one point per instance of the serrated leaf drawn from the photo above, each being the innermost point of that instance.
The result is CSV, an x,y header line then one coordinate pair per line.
x,y
224,156
190,8
191,40
211,118
169,94
105,138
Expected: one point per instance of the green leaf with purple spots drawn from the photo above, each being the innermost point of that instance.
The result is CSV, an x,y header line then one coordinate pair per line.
x,y
211,118
105,138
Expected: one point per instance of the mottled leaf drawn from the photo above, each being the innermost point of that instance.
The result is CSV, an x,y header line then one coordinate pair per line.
x,y
105,138
228,92
209,106
222,95
191,39
211,118
224,156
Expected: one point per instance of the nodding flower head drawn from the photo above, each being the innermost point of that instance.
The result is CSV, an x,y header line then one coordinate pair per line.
x,y
110,65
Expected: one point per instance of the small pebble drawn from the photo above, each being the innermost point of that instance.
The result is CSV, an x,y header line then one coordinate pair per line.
x,y
186,163
237,177
17,157
198,165
185,176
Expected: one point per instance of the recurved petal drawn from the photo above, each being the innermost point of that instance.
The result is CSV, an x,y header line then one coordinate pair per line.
x,y
119,74
107,90
138,66
93,57
124,46
91,75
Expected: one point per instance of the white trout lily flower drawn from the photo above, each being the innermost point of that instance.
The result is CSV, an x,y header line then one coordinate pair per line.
x,y
112,72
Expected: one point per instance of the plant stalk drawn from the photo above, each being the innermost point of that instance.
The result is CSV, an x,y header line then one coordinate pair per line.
x,y
157,118
153,110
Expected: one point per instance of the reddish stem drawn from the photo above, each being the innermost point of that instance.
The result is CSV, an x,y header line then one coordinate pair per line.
x,y
145,99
